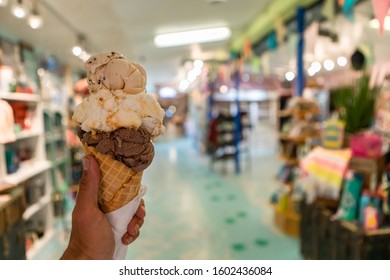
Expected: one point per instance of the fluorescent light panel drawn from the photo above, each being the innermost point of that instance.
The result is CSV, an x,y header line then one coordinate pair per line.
x,y
192,37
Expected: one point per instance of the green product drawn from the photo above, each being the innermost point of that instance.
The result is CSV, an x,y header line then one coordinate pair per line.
x,y
350,198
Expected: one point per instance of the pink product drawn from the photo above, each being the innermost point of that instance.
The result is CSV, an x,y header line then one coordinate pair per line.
x,y
370,218
366,145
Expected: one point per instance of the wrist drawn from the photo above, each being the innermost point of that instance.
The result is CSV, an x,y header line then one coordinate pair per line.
x,y
75,252
72,254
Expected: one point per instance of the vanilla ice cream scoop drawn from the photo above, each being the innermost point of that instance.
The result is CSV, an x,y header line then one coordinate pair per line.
x,y
111,70
109,110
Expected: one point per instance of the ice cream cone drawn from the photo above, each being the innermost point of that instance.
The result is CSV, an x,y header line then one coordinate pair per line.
x,y
119,184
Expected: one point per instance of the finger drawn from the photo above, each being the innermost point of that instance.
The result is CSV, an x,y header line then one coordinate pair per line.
x,y
135,225
128,239
140,213
89,183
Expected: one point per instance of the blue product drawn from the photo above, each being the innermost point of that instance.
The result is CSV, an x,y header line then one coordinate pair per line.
x,y
364,202
12,161
376,202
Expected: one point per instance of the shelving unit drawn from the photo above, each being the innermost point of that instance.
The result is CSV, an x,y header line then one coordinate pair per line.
x,y
56,148
223,145
32,165
297,128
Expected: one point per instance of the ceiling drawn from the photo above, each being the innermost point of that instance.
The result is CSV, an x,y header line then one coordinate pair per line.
x,y
129,27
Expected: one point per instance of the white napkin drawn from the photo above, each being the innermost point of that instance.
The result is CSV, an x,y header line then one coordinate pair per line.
x,y
119,220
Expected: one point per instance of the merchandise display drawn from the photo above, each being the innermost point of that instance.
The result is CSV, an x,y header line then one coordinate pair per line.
x,y
344,183
118,122
33,162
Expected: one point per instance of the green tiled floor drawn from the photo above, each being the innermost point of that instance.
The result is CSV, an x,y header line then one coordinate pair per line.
x,y
195,212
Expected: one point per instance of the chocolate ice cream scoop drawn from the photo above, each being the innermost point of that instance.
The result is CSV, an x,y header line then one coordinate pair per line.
x,y
132,147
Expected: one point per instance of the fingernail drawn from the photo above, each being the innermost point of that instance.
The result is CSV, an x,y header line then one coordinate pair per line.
x,y
143,208
85,163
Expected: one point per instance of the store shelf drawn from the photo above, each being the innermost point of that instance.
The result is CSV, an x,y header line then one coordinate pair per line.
x,y
39,244
20,136
31,210
287,160
54,108
53,136
28,97
27,169
299,139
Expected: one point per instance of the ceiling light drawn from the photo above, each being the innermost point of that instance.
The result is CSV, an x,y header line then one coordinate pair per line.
x,y
35,19
328,65
84,56
192,37
191,76
184,84
19,9
223,89
167,92
77,50
198,63
316,66
374,23
289,76
311,71
3,3
342,61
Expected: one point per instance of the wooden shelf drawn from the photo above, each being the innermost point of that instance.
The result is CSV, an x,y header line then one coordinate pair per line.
x,y
284,113
298,140
293,161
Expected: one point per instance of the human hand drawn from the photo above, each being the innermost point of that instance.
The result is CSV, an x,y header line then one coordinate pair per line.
x,y
91,236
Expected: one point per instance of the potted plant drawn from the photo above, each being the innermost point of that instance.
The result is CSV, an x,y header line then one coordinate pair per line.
x,y
355,105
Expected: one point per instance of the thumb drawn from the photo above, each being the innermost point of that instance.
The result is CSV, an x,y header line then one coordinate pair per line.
x,y
87,195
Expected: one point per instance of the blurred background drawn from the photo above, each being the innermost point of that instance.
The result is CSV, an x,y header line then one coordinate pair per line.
x,y
247,87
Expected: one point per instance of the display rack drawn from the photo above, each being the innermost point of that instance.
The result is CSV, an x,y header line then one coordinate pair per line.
x,y
56,148
33,166
297,130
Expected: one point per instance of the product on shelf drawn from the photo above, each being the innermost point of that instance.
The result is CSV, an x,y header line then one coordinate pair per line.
x,y
12,160
6,121
12,245
22,114
118,121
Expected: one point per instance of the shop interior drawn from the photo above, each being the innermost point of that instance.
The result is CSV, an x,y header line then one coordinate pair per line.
x,y
276,143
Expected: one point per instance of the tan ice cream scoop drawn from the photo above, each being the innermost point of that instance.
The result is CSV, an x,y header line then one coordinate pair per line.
x,y
112,71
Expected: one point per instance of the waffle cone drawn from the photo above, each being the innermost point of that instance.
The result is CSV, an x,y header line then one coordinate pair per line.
x,y
119,184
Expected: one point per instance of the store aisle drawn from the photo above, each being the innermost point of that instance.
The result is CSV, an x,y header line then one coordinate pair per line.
x,y
194,212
